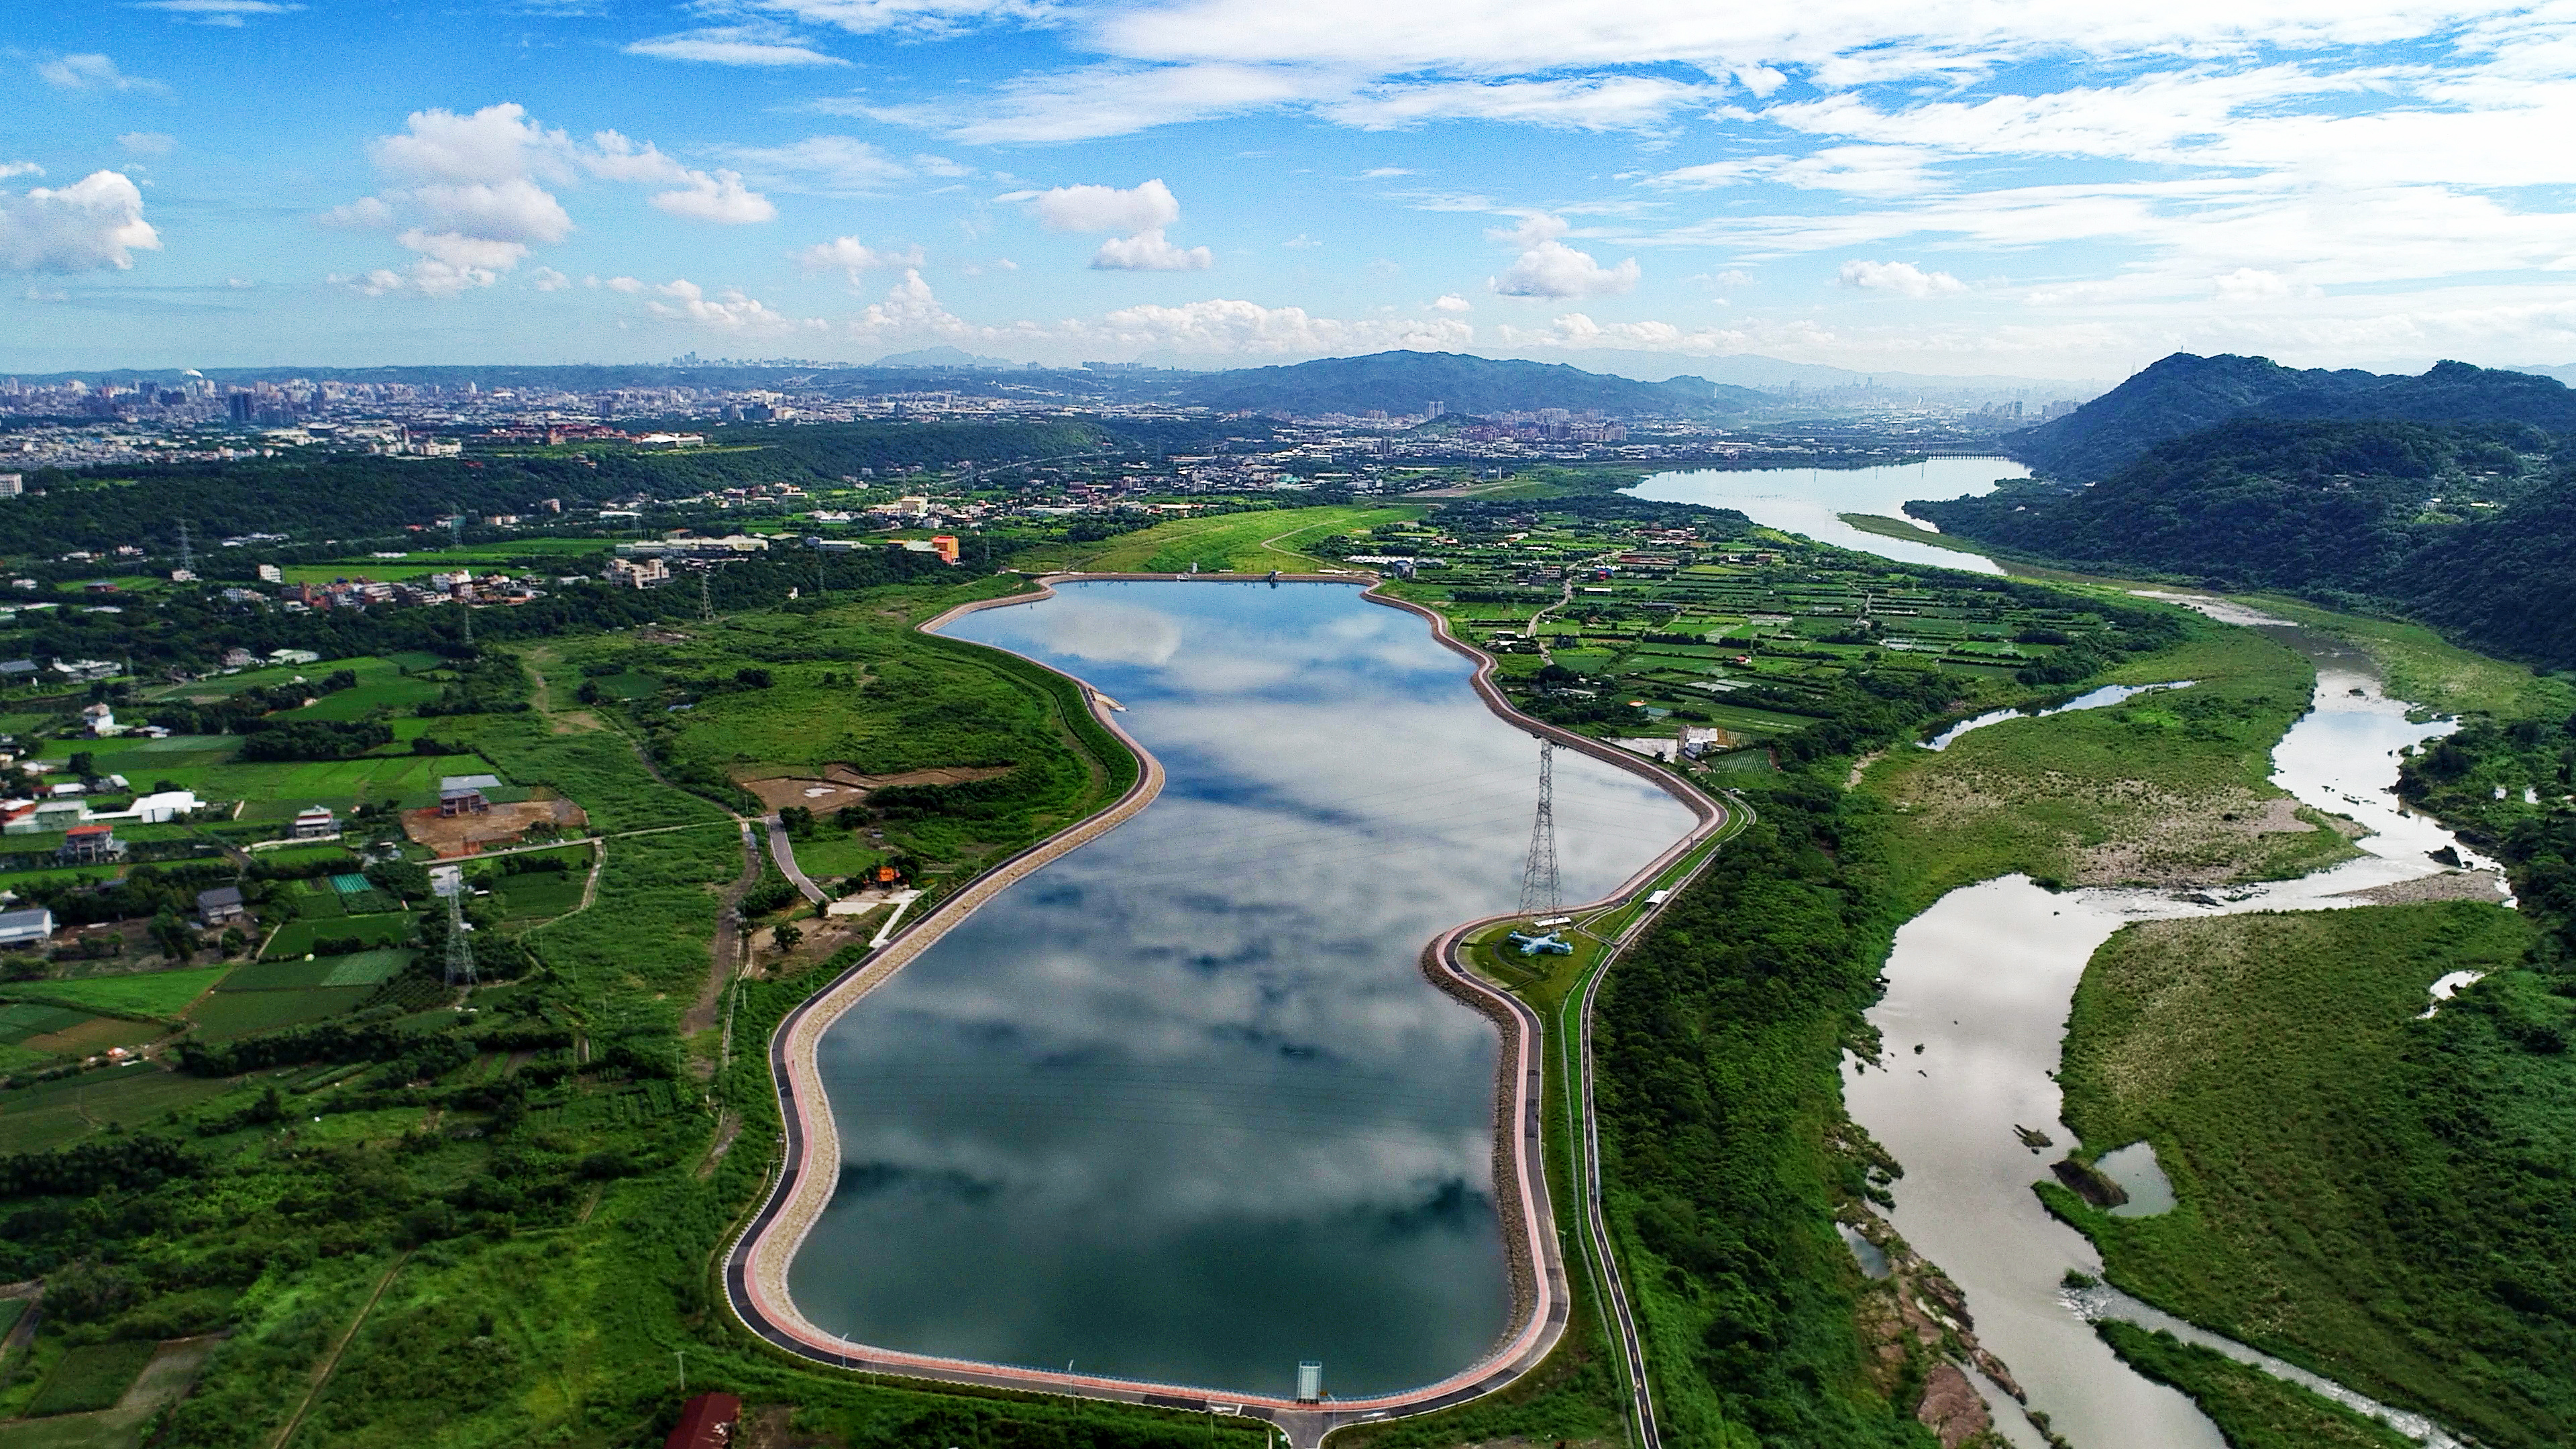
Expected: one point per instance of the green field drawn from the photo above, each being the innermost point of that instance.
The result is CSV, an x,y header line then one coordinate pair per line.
x,y
147,993
363,969
2419,665
91,1378
297,938
36,1119
539,894
228,1014
2360,1189
1237,541
276,791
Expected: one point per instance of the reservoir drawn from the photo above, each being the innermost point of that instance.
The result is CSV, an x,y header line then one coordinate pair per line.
x,y
1810,501
1180,1105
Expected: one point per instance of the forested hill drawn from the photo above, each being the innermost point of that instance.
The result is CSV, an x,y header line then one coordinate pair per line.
x,y
2184,394
2468,526
1403,382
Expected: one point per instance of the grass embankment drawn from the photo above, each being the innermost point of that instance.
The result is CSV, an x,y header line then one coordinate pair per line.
x,y
1886,527
2251,1408
2379,1196
1255,542
2171,788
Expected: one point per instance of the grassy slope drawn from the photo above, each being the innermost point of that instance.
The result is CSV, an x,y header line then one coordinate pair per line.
x,y
2251,1408
1238,541
1886,527
2102,797
2359,1189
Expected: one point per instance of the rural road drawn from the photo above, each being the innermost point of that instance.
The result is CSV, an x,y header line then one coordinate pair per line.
x,y
783,851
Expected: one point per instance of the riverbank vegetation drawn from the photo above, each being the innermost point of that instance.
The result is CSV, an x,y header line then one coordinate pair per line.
x,y
2251,1408
2360,1188
2170,787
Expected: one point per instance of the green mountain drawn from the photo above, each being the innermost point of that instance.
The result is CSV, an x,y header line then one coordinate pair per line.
x,y
2184,394
1404,382
2468,526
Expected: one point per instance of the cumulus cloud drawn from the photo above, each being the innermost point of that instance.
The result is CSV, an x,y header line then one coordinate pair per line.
x,y
727,311
1452,303
1547,267
1903,279
745,45
1147,251
623,284
1103,208
19,168
851,256
92,72
547,279
94,224
472,193
909,308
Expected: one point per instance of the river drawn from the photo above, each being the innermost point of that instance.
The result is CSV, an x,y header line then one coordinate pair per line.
x,y
1180,1105
1981,985
1810,501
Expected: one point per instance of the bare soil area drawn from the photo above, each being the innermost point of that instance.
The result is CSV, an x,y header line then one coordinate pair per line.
x,y
500,825
2448,885
842,785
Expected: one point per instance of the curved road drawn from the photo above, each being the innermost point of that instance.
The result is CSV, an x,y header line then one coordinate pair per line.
x,y
755,1267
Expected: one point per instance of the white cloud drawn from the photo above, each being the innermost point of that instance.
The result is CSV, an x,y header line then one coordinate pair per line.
x,y
623,284
746,45
1606,103
365,212
547,279
146,143
1549,268
217,12
720,198
1111,100
1301,242
516,211
19,168
1228,326
924,17
1147,251
93,72
1103,208
909,308
1376,173
1452,303
831,166
1902,278
728,311
94,224
851,256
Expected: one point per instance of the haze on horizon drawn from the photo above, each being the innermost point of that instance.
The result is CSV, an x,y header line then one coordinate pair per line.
x,y
2026,189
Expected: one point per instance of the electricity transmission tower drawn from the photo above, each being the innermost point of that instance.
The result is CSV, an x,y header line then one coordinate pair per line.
x,y
1538,876
706,600
187,556
460,954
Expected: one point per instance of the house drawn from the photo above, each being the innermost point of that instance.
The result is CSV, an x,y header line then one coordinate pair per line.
x,y
223,903
706,1422
90,845
42,818
18,671
26,928
237,658
85,671
99,722
158,808
293,656
463,794
315,822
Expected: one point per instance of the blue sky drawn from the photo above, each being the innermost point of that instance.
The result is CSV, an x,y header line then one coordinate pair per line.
x,y
1958,186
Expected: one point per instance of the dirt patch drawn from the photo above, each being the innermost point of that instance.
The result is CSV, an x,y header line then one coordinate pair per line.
x,y
842,785
2448,885
501,825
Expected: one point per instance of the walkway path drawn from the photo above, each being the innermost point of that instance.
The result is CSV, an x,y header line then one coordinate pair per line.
x,y
784,852
756,1264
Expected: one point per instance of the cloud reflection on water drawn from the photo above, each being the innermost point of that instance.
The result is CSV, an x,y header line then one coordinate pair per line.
x,y
1214,1118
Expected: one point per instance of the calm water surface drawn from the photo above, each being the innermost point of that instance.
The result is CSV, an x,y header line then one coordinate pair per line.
x,y
1810,500
1180,1105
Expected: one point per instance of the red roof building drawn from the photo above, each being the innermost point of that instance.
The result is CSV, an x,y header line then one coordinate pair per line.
x,y
706,1422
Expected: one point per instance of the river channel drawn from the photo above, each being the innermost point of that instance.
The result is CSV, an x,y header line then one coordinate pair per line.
x,y
1979,987
1811,501
1180,1105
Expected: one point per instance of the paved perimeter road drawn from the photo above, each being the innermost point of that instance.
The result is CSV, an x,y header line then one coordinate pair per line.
x,y
755,1267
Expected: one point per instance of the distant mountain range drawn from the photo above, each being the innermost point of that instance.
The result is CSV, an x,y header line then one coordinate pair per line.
x,y
1408,382
2449,496
2183,394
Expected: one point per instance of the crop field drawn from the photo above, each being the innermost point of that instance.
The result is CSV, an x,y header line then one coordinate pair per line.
x,y
537,894
297,938
365,968
549,555
228,1014
148,993
52,1114
91,1378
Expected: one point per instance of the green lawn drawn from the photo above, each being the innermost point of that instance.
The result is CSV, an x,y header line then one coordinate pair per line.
x,y
539,894
228,1014
366,968
1237,541
147,993
2366,1191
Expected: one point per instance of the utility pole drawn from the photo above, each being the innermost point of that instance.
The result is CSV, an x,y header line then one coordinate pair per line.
x,y
1538,873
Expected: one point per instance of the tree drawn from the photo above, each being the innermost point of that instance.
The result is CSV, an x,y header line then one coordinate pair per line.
x,y
85,765
176,941
787,937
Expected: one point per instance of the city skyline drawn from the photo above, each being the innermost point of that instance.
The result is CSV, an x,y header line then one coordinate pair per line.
x,y
1953,190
